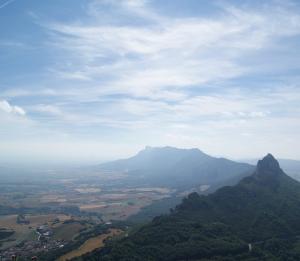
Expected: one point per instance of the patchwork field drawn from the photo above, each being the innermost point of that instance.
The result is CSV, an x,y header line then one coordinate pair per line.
x,y
69,207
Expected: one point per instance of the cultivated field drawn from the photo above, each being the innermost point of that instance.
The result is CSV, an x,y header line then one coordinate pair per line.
x,y
84,201
90,245
67,231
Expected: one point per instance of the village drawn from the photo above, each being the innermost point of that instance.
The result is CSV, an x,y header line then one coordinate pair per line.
x,y
29,249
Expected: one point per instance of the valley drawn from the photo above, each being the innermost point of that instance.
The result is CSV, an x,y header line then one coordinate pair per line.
x,y
66,207
64,214
149,130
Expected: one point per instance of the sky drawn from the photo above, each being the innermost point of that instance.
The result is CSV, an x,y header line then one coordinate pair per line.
x,y
94,80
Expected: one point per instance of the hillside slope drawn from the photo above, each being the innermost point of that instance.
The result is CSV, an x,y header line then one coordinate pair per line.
x,y
261,213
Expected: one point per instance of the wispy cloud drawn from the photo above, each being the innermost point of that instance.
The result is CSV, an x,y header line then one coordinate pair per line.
x,y
126,70
6,3
170,52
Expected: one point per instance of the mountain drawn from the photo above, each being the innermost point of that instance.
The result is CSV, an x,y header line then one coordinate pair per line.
x,y
257,219
179,168
268,199
289,166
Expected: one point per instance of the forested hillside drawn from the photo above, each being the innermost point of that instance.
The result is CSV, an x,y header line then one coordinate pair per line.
x,y
258,219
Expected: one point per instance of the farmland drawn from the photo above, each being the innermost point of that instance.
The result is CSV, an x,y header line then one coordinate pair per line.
x,y
90,245
24,232
67,206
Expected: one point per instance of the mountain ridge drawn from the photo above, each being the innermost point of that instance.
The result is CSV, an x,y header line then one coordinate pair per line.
x,y
175,167
263,207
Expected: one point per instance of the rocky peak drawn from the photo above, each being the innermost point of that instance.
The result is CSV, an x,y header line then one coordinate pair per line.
x,y
268,167
268,163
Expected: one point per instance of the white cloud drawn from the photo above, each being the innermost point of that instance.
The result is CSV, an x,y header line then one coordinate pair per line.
x,y
131,74
6,107
168,52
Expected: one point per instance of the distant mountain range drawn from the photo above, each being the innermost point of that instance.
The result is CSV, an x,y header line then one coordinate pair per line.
x,y
257,219
179,168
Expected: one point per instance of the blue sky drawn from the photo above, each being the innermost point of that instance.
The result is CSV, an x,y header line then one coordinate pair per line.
x,y
93,80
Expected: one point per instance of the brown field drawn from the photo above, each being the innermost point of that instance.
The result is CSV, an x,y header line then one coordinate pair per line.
x,y
114,196
52,198
41,219
90,207
154,189
90,245
88,190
